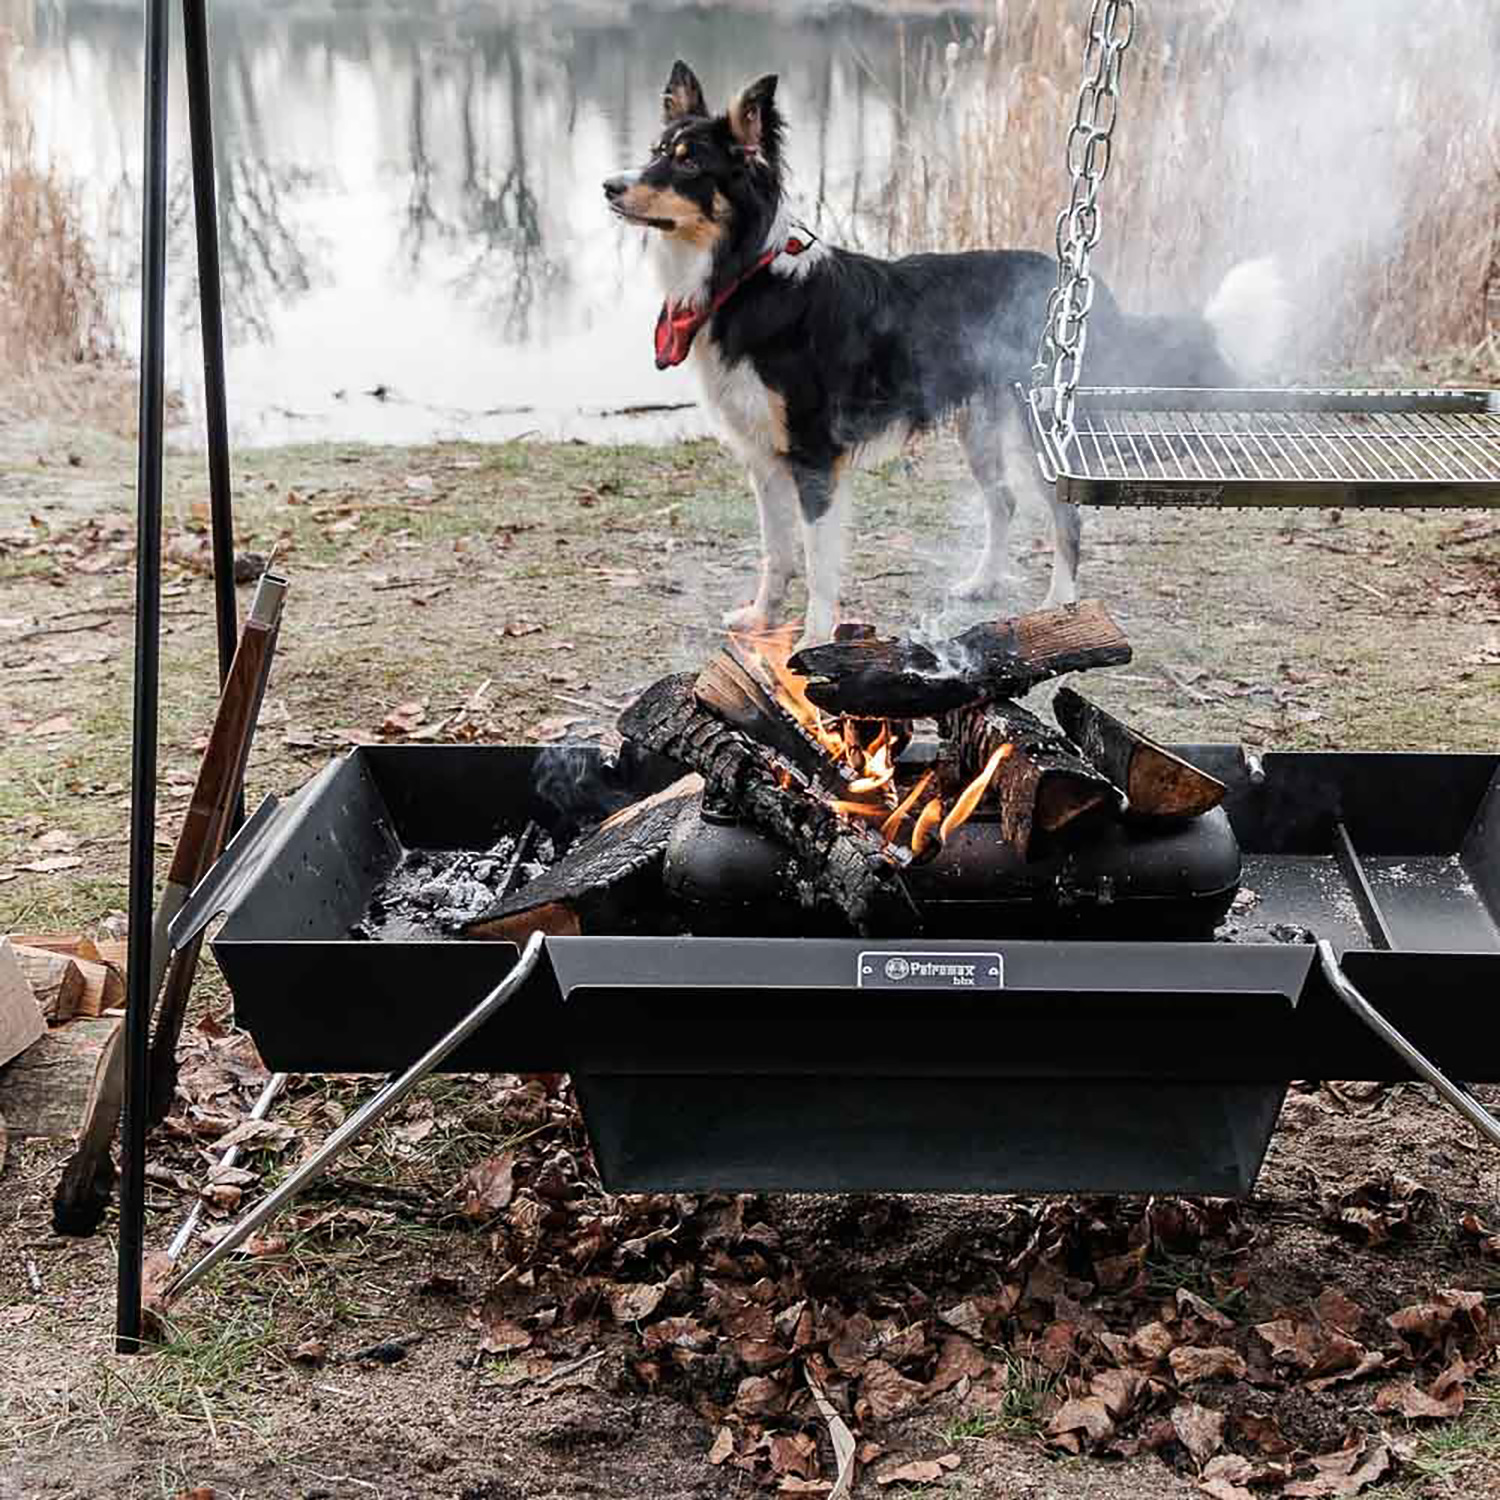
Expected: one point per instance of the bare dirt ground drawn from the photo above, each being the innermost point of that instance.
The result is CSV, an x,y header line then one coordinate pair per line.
x,y
404,1334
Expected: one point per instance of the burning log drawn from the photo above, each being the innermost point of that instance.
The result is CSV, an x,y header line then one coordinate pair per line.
x,y
734,686
1158,783
840,862
903,679
1041,783
624,851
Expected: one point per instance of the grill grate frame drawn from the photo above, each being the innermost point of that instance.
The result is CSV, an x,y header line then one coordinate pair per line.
x,y
1314,447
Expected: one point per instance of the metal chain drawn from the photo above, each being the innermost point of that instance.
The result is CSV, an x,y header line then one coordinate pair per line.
x,y
1059,355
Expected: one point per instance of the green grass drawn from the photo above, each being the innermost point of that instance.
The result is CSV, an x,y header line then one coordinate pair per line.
x,y
205,1376
1447,1452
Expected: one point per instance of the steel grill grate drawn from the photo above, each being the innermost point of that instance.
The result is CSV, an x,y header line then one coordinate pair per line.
x,y
1275,447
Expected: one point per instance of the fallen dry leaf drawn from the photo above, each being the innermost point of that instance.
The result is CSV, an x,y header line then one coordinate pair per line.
x,y
957,1359
1430,1321
1196,1362
1119,1390
636,1301
1087,1414
404,717
887,1392
1226,1477
794,1454
1199,1428
759,1396
722,1448
498,1334
488,1186
920,1470
310,1352
1343,1474
52,864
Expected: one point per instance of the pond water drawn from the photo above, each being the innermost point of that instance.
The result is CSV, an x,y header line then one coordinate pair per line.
x,y
413,235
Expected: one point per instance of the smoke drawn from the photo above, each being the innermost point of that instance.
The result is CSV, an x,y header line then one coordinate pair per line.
x,y
1355,141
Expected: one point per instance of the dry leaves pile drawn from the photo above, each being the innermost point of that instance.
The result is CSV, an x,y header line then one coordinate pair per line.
x,y
1061,1322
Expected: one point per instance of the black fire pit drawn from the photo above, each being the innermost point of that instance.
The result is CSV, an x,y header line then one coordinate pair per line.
x,y
987,1063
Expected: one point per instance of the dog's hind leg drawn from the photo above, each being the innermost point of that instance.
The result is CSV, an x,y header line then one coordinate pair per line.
x,y
980,433
824,498
776,500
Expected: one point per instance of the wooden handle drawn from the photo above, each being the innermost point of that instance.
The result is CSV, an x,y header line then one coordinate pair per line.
x,y
224,759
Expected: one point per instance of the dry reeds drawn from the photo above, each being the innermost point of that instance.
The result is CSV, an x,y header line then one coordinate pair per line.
x,y
1359,142
52,304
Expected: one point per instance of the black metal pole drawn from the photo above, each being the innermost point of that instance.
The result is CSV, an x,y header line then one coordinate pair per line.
x,y
147,663
211,322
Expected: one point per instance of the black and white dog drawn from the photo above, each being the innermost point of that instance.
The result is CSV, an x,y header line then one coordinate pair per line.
x,y
814,359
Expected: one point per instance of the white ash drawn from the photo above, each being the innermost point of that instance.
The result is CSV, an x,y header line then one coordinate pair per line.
x,y
441,890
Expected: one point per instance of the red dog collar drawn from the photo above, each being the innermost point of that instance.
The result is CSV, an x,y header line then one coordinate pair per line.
x,y
677,323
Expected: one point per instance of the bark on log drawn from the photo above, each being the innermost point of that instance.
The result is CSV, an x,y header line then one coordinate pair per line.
x,y
628,846
1042,785
891,679
850,867
1157,783
46,1091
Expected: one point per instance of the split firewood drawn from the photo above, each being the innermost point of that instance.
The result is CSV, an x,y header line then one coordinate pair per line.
x,y
839,863
902,679
1042,784
621,856
56,981
46,1090
21,1020
100,963
1157,783
734,685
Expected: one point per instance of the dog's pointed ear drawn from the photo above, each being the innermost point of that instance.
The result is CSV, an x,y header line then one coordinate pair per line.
x,y
754,120
683,94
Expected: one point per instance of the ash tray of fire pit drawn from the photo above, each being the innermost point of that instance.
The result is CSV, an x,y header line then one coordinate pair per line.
x,y
297,885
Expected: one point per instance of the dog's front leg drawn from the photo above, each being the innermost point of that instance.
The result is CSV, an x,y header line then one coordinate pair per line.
x,y
1067,537
776,500
824,499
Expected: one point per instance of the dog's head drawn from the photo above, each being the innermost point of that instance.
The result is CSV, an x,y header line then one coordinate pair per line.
x,y
712,181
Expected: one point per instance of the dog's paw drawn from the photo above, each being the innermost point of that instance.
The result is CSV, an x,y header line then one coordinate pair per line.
x,y
748,617
984,584
1058,597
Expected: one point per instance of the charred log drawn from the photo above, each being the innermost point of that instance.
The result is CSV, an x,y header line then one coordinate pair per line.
x,y
1041,785
904,679
1157,783
624,852
733,686
839,863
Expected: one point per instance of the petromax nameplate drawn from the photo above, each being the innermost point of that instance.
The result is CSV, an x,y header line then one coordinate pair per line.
x,y
931,971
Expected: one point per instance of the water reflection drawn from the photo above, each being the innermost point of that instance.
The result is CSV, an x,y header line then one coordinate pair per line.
x,y
409,201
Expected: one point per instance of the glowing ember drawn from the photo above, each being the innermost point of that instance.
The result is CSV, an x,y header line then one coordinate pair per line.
x,y
872,793
969,798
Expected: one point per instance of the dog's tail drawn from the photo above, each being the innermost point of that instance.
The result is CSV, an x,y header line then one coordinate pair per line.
x,y
1250,316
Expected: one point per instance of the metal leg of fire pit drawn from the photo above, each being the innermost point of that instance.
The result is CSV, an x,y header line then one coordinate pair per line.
x,y
391,1093
1465,1103
146,693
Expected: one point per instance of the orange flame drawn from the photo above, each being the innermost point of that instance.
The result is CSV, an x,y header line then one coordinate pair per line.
x,y
925,820
892,825
871,795
968,799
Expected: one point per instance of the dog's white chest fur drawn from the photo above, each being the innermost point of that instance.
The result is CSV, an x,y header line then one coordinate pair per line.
x,y
750,417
